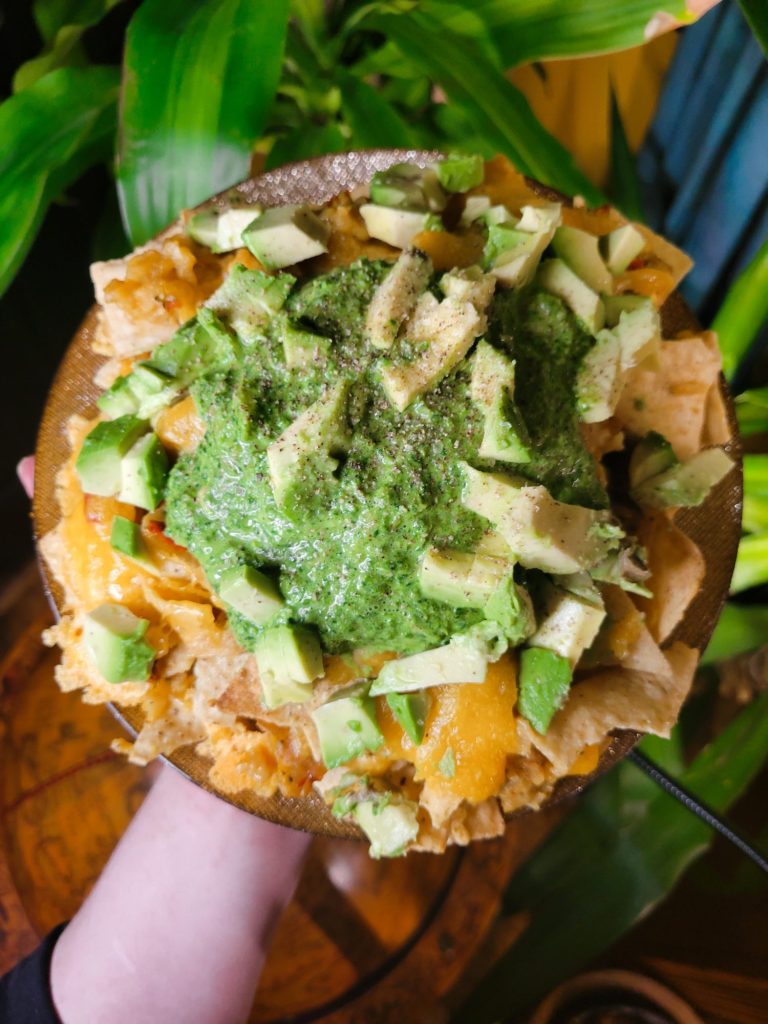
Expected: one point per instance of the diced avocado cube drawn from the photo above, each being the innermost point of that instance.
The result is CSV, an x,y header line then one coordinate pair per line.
x,y
460,579
390,826
510,607
448,328
469,285
408,186
197,348
119,399
396,296
397,227
474,206
153,389
459,172
502,238
615,305
289,658
126,538
581,252
221,230
410,710
303,455
492,386
538,219
685,485
622,246
557,277
99,464
460,661
347,726
569,626
250,593
301,347
652,455
639,334
543,684
284,235
499,216
516,266
600,379
145,472
114,639
248,299
542,532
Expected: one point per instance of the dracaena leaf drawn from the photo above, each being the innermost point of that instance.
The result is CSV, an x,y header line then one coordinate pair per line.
x,y
756,13
625,189
53,15
199,79
373,121
49,134
743,312
498,110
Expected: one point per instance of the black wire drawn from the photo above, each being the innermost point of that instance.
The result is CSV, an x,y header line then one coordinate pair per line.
x,y
695,806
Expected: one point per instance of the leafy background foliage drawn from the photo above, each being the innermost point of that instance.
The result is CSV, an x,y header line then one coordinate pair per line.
x,y
124,112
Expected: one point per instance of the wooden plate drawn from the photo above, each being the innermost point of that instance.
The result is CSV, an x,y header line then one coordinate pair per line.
x,y
714,527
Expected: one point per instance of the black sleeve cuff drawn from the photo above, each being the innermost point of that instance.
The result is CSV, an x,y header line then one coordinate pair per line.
x,y
25,992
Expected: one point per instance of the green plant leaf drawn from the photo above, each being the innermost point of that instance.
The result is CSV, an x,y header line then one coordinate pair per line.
x,y
49,134
53,15
624,189
740,629
372,120
755,467
751,567
756,13
529,30
499,111
744,311
303,143
752,411
609,863
199,79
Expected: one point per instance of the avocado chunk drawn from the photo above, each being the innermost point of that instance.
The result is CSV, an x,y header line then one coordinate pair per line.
x,y
200,346
248,299
144,472
390,826
303,456
615,305
410,710
284,235
460,579
397,227
154,390
581,252
301,347
396,296
557,277
600,379
542,532
448,330
100,462
460,661
685,485
347,727
622,246
515,260
569,626
510,608
543,684
459,172
492,386
119,399
221,229
408,187
250,593
469,284
639,333
114,639
289,659
652,455
126,538
474,207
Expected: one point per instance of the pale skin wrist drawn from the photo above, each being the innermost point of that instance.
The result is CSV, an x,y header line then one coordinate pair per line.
x,y
178,924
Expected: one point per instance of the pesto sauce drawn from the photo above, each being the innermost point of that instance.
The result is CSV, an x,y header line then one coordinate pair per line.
x,y
348,561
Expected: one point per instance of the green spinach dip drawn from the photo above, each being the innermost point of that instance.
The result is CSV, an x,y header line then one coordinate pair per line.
x,y
347,556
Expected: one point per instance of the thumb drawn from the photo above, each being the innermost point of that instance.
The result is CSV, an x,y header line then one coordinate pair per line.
x,y
26,474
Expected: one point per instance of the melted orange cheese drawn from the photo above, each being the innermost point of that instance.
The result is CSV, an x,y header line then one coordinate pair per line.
x,y
179,427
448,251
654,282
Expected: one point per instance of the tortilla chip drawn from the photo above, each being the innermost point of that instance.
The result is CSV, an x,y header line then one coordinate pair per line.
x,y
177,726
679,263
677,570
673,399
